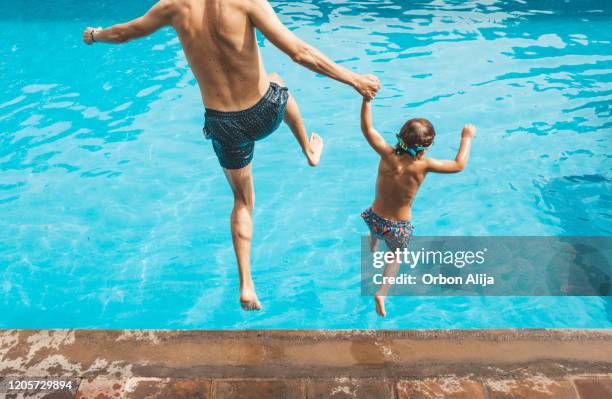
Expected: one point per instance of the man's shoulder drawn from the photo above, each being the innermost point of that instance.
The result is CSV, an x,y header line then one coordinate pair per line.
x,y
168,3
168,6
247,5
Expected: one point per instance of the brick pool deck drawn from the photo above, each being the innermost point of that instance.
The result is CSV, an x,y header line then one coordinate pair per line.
x,y
471,364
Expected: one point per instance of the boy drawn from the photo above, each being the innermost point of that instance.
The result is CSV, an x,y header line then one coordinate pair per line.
x,y
401,171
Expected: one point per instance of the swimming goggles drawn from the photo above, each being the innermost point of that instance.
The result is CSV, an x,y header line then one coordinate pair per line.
x,y
411,150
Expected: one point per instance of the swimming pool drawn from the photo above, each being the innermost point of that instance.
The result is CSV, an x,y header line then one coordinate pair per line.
x,y
114,212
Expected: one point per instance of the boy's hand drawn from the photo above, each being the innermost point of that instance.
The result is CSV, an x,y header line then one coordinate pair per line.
x,y
367,86
468,132
87,35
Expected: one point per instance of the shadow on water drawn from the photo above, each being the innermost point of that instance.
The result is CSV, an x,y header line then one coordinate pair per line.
x,y
563,199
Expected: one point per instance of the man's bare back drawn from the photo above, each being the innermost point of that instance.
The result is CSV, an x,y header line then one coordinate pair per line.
x,y
219,41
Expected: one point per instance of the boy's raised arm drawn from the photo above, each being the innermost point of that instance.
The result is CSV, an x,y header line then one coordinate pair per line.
x,y
437,166
376,141
158,16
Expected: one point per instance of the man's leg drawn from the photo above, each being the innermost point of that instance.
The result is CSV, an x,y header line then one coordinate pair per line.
x,y
312,147
241,181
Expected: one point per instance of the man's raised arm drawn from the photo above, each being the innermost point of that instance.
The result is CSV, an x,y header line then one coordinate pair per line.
x,y
264,18
158,16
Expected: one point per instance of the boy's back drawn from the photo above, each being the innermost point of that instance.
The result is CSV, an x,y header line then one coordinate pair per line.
x,y
398,181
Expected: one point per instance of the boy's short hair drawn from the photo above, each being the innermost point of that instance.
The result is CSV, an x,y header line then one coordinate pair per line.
x,y
417,132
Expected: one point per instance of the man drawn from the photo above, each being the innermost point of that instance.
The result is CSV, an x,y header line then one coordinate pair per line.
x,y
243,103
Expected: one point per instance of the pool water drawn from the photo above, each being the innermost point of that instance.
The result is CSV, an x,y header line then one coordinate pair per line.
x,y
114,211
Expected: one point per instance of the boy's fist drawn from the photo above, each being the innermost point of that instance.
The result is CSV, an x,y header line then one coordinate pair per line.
x,y
87,34
468,132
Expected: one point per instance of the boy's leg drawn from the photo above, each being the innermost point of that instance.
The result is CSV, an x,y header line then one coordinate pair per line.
x,y
312,147
373,241
391,270
241,181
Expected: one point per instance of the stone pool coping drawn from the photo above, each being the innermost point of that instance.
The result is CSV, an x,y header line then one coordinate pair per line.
x,y
316,364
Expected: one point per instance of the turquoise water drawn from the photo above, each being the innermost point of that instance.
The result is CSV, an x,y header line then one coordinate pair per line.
x,y
114,212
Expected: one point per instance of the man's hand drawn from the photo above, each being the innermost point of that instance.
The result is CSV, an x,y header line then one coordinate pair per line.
x,y
367,86
468,132
87,35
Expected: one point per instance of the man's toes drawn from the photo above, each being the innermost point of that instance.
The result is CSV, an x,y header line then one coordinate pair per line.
x,y
316,141
250,305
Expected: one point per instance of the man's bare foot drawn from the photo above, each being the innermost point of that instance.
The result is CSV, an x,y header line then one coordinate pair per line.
x,y
380,305
248,300
315,149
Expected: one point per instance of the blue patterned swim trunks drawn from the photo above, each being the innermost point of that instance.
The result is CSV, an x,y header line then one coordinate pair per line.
x,y
234,133
397,234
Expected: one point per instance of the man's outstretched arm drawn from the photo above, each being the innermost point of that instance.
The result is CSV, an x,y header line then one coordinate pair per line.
x,y
158,16
264,18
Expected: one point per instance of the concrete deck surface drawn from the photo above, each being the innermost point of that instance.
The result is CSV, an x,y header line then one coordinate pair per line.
x,y
474,364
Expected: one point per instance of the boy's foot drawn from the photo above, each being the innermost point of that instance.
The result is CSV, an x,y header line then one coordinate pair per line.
x,y
315,149
248,300
380,305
